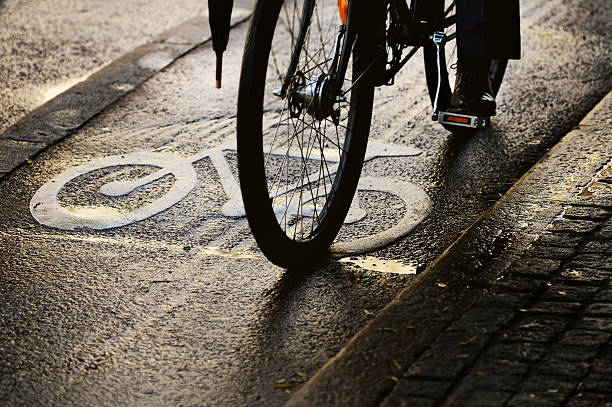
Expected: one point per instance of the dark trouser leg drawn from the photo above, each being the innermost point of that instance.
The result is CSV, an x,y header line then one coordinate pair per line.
x,y
488,29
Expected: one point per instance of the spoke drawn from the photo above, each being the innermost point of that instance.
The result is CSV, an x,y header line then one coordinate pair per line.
x,y
301,175
274,139
360,76
333,142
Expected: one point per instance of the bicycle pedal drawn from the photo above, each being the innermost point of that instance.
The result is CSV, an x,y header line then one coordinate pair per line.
x,y
464,120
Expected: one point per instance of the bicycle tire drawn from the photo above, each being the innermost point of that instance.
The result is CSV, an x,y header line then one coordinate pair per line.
x,y
299,237
448,63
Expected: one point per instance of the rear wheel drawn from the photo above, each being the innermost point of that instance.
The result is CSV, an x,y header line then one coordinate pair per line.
x,y
301,143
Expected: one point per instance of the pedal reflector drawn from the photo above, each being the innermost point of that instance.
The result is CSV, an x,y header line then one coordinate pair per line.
x,y
455,119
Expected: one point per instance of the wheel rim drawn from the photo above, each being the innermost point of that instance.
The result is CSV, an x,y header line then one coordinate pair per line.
x,y
304,136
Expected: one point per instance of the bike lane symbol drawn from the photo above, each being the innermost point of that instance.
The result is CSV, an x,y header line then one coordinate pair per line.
x,y
47,210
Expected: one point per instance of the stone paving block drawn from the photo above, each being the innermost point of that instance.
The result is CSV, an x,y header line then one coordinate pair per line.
x,y
528,352
595,324
603,366
572,225
601,198
549,252
606,352
569,240
562,368
597,382
496,381
553,385
535,399
605,233
509,301
483,320
583,276
535,266
598,247
433,389
574,353
448,355
599,309
604,295
591,261
480,398
590,399
456,344
555,307
561,292
536,328
396,401
489,364
586,212
586,338
435,369
517,284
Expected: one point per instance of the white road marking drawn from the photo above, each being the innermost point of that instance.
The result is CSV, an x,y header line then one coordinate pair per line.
x,y
47,210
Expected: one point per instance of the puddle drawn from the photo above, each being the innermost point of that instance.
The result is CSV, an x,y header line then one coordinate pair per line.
x,y
596,182
380,265
93,211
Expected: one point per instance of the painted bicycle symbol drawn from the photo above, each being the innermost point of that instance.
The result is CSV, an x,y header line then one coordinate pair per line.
x,y
47,210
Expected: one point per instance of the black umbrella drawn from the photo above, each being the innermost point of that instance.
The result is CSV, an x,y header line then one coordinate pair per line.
x,y
219,15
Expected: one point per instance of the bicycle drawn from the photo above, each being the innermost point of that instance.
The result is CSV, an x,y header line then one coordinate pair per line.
x,y
305,106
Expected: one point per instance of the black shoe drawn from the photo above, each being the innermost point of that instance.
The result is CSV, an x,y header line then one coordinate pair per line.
x,y
473,95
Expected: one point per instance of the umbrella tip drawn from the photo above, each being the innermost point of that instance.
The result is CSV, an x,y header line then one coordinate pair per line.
x,y
219,70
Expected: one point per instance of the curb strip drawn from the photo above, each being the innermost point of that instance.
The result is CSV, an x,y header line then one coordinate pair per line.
x,y
366,370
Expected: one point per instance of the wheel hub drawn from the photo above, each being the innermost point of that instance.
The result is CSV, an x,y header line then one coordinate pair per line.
x,y
314,95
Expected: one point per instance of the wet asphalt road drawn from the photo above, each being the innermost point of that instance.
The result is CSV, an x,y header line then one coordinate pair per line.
x,y
180,308
47,46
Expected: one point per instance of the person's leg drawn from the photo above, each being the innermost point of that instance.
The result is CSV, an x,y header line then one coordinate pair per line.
x,y
486,29
472,94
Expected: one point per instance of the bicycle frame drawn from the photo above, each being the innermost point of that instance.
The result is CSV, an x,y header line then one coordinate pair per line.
x,y
416,30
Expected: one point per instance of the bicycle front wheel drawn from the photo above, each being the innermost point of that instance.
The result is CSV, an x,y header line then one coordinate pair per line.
x,y
301,143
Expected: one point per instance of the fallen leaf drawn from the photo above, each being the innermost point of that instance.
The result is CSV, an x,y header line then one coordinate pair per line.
x,y
472,339
387,329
